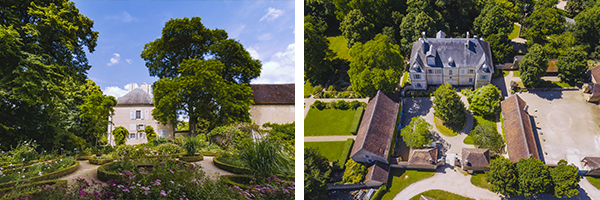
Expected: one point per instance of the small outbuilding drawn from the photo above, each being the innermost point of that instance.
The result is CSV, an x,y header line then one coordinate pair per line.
x,y
377,174
591,165
475,159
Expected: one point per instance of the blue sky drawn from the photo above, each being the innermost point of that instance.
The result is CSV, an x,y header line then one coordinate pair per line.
x,y
265,28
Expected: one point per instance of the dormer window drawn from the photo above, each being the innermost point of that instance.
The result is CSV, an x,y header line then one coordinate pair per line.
x,y
416,68
430,60
451,62
486,68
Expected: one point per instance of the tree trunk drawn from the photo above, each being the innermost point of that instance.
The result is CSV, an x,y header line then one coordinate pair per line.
x,y
193,121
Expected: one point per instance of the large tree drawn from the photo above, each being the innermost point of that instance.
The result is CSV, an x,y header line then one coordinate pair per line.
x,y
485,136
533,66
495,18
447,105
95,111
502,177
355,28
500,46
572,66
421,17
565,179
485,101
43,60
219,69
543,22
316,54
534,177
316,173
416,133
587,28
201,92
375,65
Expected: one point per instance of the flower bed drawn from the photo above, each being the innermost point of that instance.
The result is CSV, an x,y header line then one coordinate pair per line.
x,y
221,163
271,188
39,172
118,170
196,158
100,160
5,191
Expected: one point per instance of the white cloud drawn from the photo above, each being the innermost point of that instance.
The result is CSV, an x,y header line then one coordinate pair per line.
x,y
272,14
124,17
236,31
280,68
264,37
115,91
114,60
253,53
128,61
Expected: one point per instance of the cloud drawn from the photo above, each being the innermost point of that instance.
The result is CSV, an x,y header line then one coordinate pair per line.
x,y
124,17
280,68
272,14
115,91
128,61
114,60
253,53
236,31
264,37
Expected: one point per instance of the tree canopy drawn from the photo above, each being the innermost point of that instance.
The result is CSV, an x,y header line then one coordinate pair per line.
x,y
316,52
587,28
416,133
572,66
355,28
533,66
534,177
565,179
316,173
95,111
375,65
447,105
485,136
502,177
485,101
543,22
495,18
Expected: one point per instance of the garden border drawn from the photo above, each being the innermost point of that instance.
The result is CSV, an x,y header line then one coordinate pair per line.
x,y
192,158
50,176
230,168
95,161
4,191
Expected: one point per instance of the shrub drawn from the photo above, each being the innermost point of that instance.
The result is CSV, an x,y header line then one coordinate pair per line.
x,y
356,121
179,140
327,95
120,134
342,105
191,145
345,153
316,173
230,136
168,149
355,172
150,134
100,160
319,105
265,158
160,140
331,88
273,188
344,95
317,89
218,161
355,104
331,105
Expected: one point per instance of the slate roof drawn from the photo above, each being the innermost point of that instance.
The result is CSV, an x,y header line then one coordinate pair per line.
x,y
273,93
377,125
378,172
423,156
476,158
520,140
593,162
135,97
474,55
595,73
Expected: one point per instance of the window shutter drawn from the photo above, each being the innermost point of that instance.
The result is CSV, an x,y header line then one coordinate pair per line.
x,y
132,128
147,117
132,114
141,114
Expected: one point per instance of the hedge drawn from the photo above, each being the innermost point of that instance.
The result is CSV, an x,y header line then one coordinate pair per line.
x,y
356,121
380,192
4,191
210,153
105,175
231,168
50,176
192,158
239,180
100,161
83,157
345,153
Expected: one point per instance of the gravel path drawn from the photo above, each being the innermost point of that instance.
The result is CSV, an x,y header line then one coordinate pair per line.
x,y
86,171
209,167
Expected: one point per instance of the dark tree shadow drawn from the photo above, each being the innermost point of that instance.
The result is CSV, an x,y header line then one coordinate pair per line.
x,y
441,144
413,107
548,94
537,139
500,82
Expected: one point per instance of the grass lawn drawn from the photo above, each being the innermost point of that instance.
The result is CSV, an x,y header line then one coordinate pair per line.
x,y
468,140
440,195
502,125
506,72
594,181
515,32
328,122
405,79
516,73
478,179
446,130
331,150
402,178
339,46
308,89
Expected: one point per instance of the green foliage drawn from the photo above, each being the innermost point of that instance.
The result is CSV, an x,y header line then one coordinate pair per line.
x,y
328,122
168,149
416,133
375,65
440,194
316,51
447,105
150,134
342,105
574,7
355,28
494,19
485,136
533,66
500,46
120,134
265,158
95,112
502,177
543,22
229,136
319,105
421,17
587,28
191,145
355,104
25,152
354,173
572,66
559,44
485,101
565,179
283,133
345,153
316,173
533,177
356,120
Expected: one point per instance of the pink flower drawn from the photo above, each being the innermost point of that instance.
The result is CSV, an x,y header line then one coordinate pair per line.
x,y
162,192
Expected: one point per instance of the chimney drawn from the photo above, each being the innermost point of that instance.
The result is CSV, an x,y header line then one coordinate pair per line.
x,y
146,87
423,33
467,42
131,86
467,35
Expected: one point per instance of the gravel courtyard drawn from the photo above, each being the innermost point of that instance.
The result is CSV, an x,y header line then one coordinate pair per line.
x,y
567,126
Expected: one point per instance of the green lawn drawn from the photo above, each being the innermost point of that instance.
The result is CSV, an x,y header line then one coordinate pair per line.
x,y
516,73
446,130
480,120
328,122
331,150
440,195
594,181
478,179
308,89
339,46
402,178
506,72
468,140
515,32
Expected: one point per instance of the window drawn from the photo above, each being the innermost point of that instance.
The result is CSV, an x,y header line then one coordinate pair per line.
x,y
138,114
470,80
471,71
483,76
162,132
419,85
449,72
417,76
131,135
430,71
140,127
438,71
462,71
439,80
142,135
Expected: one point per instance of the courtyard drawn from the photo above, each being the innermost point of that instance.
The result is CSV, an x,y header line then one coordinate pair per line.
x,y
567,126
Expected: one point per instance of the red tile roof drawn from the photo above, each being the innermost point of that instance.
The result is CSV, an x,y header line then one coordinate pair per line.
x,y
520,140
476,157
426,156
273,93
378,172
595,72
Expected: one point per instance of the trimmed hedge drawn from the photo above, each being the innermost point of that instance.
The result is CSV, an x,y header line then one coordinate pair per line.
x,y
192,158
210,153
84,157
100,161
4,191
105,175
345,153
380,192
356,121
242,180
50,176
231,168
